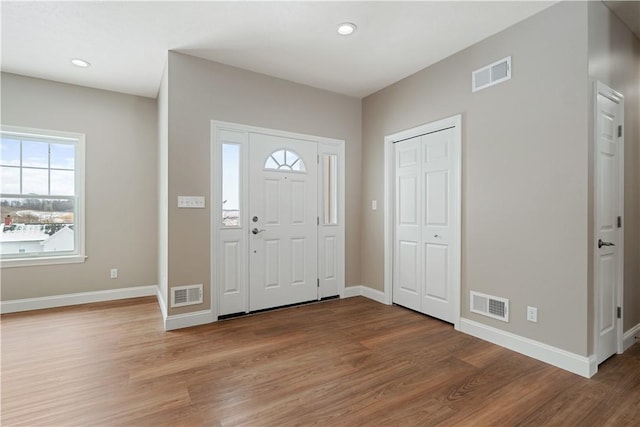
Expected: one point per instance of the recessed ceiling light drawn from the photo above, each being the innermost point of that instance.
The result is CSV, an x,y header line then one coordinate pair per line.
x,y
346,28
80,63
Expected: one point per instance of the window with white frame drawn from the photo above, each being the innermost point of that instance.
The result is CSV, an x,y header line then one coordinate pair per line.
x,y
41,196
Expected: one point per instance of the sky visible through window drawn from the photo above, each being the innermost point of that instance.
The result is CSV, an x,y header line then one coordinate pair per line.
x,y
47,168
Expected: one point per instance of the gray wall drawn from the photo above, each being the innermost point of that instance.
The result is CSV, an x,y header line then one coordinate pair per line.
x,y
614,59
121,189
524,173
201,91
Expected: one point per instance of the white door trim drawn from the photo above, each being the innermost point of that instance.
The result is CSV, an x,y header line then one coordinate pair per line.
x,y
389,204
618,98
331,145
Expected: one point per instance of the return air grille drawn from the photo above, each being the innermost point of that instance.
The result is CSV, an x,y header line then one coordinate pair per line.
x,y
491,74
490,306
186,295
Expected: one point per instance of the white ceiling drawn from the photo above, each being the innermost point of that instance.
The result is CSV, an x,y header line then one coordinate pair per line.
x,y
127,42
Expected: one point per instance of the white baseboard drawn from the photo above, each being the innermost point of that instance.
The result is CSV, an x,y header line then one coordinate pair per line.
x,y
373,294
629,337
179,321
365,291
162,304
580,365
13,306
352,291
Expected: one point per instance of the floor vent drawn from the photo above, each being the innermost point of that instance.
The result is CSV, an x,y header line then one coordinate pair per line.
x,y
490,75
186,295
490,306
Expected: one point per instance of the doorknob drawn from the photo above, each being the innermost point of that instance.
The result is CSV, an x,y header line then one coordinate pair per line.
x,y
601,243
256,231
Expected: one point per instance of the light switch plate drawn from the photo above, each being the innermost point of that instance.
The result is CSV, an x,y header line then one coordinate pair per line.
x,y
192,202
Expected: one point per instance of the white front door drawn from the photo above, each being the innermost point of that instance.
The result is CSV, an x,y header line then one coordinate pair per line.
x,y
426,244
283,215
608,220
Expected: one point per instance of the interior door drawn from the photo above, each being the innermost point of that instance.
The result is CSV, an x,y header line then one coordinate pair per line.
x,y
283,221
608,235
425,244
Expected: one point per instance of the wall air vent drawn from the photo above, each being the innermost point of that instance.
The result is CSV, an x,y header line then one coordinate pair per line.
x,y
186,295
490,306
490,75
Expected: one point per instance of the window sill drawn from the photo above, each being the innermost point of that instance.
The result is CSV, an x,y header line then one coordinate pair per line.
x,y
32,262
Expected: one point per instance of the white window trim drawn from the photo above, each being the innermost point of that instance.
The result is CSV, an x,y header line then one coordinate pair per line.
x,y
79,222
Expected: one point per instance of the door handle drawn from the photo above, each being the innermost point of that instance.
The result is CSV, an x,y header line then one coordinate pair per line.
x,y
256,231
601,243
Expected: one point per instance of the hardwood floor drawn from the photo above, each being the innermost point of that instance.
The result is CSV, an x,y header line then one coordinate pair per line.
x,y
338,363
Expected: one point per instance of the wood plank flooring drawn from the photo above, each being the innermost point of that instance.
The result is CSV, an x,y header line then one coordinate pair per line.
x,y
345,362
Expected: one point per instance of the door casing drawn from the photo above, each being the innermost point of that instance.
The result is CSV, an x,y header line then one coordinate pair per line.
x,y
389,205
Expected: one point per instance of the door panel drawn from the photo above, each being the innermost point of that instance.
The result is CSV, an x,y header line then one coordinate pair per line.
x,y
408,197
283,199
231,267
437,200
436,262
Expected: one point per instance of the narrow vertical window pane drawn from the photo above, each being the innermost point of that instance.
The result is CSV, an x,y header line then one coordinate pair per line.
x,y
35,154
330,188
230,185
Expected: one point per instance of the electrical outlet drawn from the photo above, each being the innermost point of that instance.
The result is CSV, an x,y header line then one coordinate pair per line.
x,y
114,273
374,205
532,314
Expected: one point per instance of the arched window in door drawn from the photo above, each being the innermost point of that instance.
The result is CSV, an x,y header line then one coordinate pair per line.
x,y
284,160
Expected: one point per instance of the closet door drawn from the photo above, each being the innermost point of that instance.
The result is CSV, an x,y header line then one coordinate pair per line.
x,y
425,241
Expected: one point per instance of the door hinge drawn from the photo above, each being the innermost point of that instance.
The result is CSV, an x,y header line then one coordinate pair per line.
x,y
619,222
318,222
619,312
318,159
318,282
619,131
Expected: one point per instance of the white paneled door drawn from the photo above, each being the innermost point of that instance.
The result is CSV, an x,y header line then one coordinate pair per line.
x,y
608,219
426,243
283,215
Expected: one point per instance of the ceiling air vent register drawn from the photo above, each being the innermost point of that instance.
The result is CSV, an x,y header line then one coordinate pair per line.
x,y
491,74
490,306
